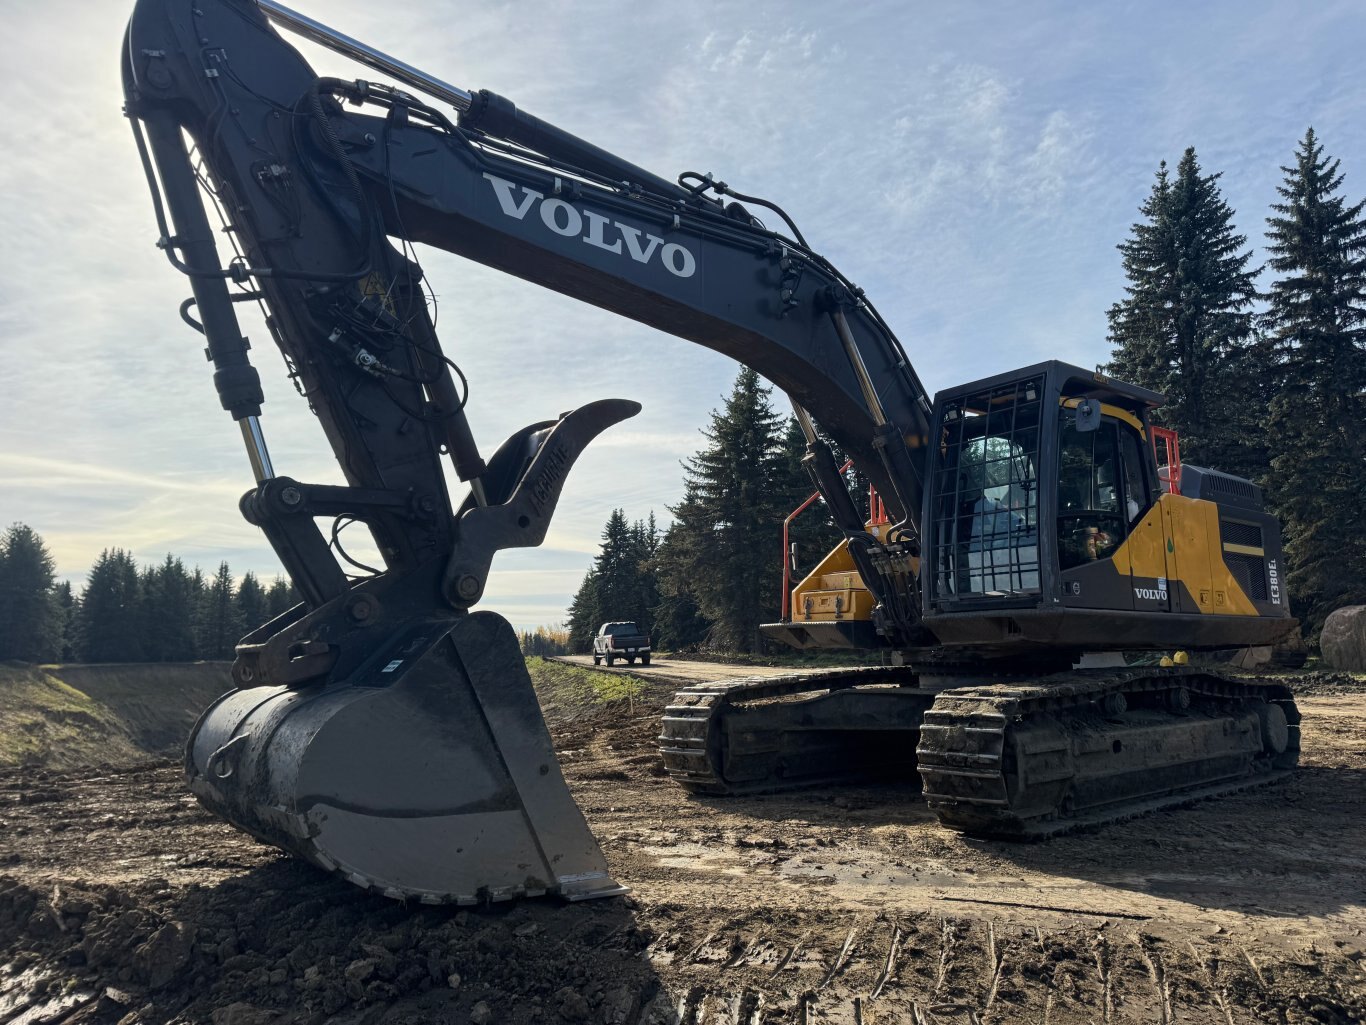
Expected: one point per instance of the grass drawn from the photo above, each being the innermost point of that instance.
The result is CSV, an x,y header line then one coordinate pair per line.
x,y
793,660
46,722
585,684
562,687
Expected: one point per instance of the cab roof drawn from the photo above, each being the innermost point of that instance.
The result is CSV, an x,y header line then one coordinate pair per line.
x,y
1071,381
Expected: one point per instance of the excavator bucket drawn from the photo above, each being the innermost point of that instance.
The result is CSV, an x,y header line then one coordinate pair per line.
x,y
427,774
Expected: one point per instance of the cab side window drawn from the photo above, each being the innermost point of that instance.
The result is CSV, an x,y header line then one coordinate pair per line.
x,y
1137,493
1091,518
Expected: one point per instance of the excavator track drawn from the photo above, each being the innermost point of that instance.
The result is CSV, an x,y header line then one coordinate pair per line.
x,y
764,734
1083,749
1013,761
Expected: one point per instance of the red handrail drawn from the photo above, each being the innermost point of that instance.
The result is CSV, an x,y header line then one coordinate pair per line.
x,y
787,561
1169,438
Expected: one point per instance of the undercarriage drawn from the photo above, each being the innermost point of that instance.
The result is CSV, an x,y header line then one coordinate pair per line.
x,y
1018,759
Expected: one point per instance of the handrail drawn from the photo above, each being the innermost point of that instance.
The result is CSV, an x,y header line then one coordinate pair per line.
x,y
787,560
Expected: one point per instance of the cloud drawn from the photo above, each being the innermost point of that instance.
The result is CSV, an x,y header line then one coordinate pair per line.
x,y
971,165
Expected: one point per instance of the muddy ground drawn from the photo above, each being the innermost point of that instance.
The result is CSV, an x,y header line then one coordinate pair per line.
x,y
122,901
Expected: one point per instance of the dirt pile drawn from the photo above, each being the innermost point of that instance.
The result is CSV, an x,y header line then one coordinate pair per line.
x,y
112,716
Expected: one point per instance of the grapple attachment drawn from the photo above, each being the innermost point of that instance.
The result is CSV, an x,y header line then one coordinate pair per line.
x,y
427,774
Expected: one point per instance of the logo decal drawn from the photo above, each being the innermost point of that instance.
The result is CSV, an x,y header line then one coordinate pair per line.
x,y
599,231
1158,593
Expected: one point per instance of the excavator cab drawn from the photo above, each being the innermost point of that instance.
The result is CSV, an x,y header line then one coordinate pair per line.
x,y
1050,527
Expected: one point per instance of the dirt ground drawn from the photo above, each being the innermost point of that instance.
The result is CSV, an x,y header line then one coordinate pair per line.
x,y
122,901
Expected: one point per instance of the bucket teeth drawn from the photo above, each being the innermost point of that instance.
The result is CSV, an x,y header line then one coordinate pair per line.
x,y
433,780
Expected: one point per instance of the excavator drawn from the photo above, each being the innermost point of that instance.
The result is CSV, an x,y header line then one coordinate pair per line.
x,y
385,729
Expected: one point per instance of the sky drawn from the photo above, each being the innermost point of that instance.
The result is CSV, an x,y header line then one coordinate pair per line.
x,y
972,165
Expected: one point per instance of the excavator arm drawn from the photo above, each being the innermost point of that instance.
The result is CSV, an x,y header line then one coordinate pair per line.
x,y
380,728
317,175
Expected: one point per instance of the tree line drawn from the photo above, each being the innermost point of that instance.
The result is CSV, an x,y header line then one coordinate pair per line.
x,y
1268,385
715,573
158,612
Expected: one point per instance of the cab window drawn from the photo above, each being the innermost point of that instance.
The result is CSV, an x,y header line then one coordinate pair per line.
x,y
1091,516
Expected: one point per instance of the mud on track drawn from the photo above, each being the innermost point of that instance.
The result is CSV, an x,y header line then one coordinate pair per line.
x,y
121,900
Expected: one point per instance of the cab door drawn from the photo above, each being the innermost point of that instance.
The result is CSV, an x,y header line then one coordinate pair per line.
x,y
1149,552
1090,522
1110,531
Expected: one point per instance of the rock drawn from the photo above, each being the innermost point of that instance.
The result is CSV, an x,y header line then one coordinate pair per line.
x,y
481,1013
659,1011
360,971
1343,640
619,1006
165,953
119,996
572,1005
453,980
242,1013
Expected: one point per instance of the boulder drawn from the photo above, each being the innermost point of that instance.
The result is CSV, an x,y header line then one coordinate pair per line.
x,y
1343,640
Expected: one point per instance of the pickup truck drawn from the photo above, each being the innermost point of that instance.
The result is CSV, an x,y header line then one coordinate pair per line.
x,y
621,640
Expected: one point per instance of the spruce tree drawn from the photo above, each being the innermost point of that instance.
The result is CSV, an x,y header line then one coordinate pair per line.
x,y
1186,326
70,609
280,597
110,617
148,615
1317,330
726,541
646,537
221,621
30,617
678,620
585,614
617,570
169,599
252,606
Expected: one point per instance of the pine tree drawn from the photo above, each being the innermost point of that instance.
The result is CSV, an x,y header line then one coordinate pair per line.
x,y
199,589
617,570
678,620
646,538
585,614
280,597
221,621
70,610
30,617
1186,327
252,606
109,619
1317,328
168,600
148,615
725,545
